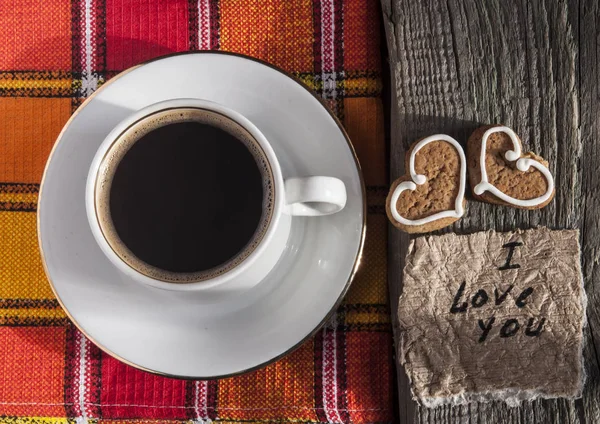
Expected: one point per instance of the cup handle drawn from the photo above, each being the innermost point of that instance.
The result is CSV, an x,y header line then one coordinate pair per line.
x,y
314,196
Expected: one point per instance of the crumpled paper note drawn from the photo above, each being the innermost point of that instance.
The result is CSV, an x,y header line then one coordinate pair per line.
x,y
493,316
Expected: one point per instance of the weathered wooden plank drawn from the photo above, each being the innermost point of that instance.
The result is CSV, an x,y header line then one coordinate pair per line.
x,y
532,65
589,162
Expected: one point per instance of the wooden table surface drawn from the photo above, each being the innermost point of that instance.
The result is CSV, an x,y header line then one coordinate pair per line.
x,y
534,66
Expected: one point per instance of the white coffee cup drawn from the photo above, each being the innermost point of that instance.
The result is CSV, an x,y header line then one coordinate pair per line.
x,y
307,196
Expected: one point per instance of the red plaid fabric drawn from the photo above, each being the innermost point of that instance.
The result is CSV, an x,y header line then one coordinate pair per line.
x,y
55,53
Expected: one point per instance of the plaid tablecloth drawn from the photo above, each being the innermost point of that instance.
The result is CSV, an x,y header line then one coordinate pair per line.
x,y
54,53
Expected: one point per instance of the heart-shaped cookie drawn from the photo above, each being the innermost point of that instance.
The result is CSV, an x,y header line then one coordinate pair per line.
x,y
500,173
432,196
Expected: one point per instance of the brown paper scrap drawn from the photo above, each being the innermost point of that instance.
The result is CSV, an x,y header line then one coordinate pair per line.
x,y
493,316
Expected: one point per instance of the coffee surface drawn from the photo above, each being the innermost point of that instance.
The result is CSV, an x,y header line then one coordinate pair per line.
x,y
187,197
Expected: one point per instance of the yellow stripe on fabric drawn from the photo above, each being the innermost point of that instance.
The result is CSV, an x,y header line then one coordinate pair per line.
x,y
317,85
357,86
77,84
26,315
353,86
38,420
19,197
21,273
309,80
354,317
60,85
370,283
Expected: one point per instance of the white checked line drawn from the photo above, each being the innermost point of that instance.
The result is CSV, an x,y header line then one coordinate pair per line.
x,y
89,82
328,76
330,387
204,24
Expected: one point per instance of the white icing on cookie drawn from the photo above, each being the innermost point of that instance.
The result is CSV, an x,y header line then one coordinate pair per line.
x,y
458,211
523,164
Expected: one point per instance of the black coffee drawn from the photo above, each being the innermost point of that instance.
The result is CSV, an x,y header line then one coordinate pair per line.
x,y
188,196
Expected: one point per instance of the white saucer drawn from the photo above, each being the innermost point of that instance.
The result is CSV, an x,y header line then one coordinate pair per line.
x,y
184,334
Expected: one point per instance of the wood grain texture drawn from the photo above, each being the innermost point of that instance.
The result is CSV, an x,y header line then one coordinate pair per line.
x,y
532,65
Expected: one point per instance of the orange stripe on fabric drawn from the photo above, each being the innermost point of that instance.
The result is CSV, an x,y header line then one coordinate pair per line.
x,y
28,131
32,371
369,393
35,35
370,283
361,48
363,119
278,31
281,391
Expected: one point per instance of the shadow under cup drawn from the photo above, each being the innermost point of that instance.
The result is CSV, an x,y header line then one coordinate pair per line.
x,y
184,195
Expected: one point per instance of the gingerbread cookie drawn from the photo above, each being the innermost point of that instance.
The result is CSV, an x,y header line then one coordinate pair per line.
x,y
500,173
432,196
